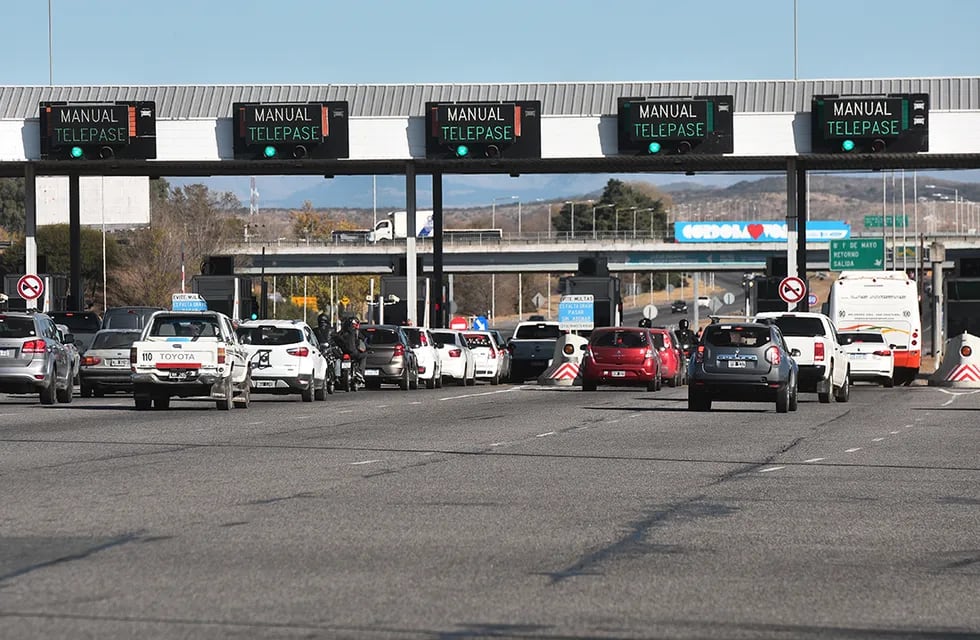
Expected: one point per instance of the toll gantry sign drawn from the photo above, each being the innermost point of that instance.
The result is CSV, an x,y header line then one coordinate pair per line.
x,y
481,130
98,131
651,126
892,123
290,130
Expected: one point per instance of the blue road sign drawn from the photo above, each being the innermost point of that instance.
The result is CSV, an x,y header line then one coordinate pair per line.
x,y
576,312
480,323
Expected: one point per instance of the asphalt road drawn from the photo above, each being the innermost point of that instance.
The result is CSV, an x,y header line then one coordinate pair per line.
x,y
504,512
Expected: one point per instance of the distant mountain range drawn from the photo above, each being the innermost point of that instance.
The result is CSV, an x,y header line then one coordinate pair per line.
x,y
388,192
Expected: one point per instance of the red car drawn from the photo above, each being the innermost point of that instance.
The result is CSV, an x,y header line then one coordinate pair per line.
x,y
621,356
671,359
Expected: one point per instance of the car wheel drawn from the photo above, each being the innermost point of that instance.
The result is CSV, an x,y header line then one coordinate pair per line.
x,y
589,385
161,403
462,381
430,383
888,382
47,393
824,397
403,384
321,391
85,390
782,399
495,380
652,385
414,382
698,401
794,398
226,403
244,398
143,402
64,395
438,381
307,393
843,393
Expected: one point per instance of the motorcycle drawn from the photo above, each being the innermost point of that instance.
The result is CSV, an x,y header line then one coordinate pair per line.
x,y
340,371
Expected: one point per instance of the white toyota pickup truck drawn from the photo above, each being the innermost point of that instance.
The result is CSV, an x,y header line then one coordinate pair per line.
x,y
189,354
824,365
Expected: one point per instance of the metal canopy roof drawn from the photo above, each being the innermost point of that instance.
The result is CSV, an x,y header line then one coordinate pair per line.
x,y
569,99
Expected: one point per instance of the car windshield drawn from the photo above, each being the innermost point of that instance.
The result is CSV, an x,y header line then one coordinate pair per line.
x,y
853,338
737,336
269,336
800,327
538,332
16,327
620,339
115,339
380,336
78,322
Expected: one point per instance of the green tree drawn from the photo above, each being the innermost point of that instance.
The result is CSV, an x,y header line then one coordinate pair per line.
x,y
12,204
615,211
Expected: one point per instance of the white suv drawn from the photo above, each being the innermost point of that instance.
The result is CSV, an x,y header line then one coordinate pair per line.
x,y
285,358
484,348
427,354
458,363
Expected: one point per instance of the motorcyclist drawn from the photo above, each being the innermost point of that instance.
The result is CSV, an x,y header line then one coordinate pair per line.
x,y
645,323
685,335
352,344
323,330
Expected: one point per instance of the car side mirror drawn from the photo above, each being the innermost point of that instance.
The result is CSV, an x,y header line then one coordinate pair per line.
x,y
795,352
69,338
893,346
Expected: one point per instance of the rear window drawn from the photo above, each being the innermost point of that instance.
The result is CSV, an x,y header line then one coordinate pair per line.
x,y
416,337
800,327
658,340
736,336
380,336
11,327
852,338
444,337
115,339
269,336
475,340
78,322
538,332
621,339
184,327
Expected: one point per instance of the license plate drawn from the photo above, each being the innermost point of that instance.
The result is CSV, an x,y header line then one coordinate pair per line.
x,y
119,362
858,356
618,374
6,353
265,384
372,372
736,364
345,364
178,375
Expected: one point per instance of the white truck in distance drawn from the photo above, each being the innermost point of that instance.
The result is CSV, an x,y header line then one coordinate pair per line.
x,y
394,227
824,366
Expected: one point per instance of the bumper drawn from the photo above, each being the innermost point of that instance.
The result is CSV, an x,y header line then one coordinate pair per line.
x,y
121,380
814,378
387,373
22,379
617,374
280,384
201,384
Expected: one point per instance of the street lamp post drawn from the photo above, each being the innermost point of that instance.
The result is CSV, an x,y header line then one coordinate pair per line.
x,y
571,219
956,203
493,276
594,208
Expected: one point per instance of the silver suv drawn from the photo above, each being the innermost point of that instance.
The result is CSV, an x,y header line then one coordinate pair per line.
x,y
33,358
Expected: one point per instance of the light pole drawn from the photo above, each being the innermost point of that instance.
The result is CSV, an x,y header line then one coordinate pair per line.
x,y
493,276
518,217
956,203
594,208
571,219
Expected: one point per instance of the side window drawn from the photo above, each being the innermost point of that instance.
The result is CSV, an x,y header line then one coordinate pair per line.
x,y
309,335
50,331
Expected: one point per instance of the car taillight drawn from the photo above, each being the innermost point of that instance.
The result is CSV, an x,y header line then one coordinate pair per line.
x,y
915,334
301,352
883,352
34,346
699,356
399,350
132,357
89,361
818,352
649,354
493,354
455,353
221,355
346,356
773,355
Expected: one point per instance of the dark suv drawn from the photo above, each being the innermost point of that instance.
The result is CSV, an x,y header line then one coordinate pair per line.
x,y
82,324
390,358
33,358
742,361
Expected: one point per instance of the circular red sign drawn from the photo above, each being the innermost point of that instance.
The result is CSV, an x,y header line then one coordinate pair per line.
x,y
458,323
30,287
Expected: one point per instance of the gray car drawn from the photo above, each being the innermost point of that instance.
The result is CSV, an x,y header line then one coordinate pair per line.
x,y
105,366
390,358
742,361
33,358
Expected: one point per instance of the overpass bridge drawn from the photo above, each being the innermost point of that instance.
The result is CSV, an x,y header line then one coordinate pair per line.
x,y
540,253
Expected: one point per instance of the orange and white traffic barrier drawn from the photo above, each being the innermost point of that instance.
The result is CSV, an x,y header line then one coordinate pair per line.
x,y
961,364
565,364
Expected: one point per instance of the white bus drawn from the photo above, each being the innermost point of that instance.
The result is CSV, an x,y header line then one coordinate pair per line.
x,y
886,301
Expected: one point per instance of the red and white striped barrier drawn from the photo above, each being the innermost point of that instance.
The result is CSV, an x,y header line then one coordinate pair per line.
x,y
961,363
564,369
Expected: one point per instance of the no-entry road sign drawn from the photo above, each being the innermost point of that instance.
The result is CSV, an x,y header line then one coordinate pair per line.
x,y
792,289
30,286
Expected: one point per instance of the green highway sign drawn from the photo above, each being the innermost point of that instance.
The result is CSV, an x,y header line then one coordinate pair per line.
x,y
862,253
886,221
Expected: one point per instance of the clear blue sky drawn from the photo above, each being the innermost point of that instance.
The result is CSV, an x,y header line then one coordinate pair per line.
x,y
398,41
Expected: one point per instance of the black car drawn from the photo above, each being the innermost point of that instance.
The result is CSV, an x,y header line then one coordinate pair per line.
x,y
82,324
678,306
744,361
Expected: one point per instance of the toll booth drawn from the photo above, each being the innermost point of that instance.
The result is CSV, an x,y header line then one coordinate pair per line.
x,y
962,297
54,298
593,279
391,307
230,295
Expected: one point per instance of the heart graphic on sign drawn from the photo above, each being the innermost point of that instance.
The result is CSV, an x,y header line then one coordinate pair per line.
x,y
755,230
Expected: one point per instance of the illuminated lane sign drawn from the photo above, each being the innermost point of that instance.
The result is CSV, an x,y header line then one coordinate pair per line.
x,y
77,131
702,124
483,129
894,123
290,130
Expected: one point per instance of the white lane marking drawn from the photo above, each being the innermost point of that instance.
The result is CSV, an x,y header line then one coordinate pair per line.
x,y
959,393
908,426
541,435
894,433
948,402
770,469
876,439
254,424
429,453
497,444
634,415
814,460
612,421
346,411
416,402
477,395
852,450
364,462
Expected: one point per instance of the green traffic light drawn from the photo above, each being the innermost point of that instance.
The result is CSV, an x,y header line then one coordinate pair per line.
x,y
462,151
847,145
76,152
254,316
654,147
269,152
